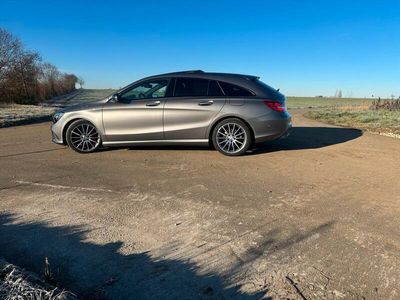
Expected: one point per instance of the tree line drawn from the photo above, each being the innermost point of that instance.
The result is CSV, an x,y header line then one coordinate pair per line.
x,y
25,78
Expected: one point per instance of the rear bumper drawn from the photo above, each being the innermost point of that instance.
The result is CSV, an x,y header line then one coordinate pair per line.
x,y
272,127
287,133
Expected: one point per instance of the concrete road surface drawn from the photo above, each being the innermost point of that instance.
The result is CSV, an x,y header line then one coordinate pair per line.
x,y
314,216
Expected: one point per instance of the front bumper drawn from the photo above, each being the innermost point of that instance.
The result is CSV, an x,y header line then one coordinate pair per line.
x,y
56,133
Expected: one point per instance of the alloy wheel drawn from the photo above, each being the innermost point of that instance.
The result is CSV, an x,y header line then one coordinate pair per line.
x,y
84,137
231,138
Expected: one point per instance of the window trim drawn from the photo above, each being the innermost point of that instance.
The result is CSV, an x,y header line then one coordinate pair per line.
x,y
173,79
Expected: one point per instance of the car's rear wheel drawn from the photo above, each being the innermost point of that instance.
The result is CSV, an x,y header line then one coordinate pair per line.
x,y
83,137
231,137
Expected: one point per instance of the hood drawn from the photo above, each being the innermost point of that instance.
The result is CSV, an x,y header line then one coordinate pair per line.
x,y
83,106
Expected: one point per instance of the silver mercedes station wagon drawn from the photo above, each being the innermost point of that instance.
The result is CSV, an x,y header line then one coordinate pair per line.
x,y
230,112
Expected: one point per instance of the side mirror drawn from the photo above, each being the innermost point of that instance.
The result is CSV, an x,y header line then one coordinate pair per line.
x,y
114,98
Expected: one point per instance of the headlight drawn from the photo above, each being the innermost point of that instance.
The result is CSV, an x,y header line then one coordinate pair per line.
x,y
57,116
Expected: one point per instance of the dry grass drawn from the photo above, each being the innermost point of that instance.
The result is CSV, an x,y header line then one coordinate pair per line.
x,y
18,284
384,122
320,102
385,104
353,108
381,116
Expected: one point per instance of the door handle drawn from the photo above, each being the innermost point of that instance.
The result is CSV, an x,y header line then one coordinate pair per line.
x,y
153,103
204,103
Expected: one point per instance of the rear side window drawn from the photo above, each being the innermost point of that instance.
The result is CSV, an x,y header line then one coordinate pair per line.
x,y
269,91
214,89
232,90
189,87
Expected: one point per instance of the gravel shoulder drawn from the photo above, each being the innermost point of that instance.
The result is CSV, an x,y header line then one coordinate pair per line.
x,y
15,114
313,216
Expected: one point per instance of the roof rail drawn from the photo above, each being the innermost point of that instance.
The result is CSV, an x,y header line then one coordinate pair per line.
x,y
184,72
193,71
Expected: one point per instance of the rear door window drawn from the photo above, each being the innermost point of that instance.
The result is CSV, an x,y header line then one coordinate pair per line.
x,y
214,89
232,90
191,87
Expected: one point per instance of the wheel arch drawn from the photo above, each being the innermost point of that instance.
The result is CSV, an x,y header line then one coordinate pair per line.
x,y
68,124
216,122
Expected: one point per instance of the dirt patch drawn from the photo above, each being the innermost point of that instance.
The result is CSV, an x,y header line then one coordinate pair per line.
x,y
285,221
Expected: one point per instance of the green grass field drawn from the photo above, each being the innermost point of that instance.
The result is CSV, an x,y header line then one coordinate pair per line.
x,y
349,112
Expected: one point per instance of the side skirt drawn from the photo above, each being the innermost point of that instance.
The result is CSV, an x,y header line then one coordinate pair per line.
x,y
201,142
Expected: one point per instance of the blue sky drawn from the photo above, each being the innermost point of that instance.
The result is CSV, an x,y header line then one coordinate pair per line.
x,y
305,48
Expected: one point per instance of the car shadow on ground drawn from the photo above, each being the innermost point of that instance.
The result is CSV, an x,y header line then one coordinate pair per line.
x,y
102,271
300,138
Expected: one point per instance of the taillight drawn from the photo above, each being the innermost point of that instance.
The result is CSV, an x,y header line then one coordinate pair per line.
x,y
277,106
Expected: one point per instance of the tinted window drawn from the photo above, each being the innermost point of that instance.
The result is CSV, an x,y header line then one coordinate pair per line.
x,y
214,89
186,87
170,88
234,90
145,90
269,91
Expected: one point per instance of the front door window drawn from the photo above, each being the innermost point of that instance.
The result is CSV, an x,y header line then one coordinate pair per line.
x,y
147,90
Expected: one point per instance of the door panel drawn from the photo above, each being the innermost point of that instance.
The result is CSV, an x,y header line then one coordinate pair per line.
x,y
189,118
138,120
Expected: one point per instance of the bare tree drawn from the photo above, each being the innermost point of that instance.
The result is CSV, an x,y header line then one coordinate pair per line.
x,y
10,47
81,81
338,94
50,76
23,76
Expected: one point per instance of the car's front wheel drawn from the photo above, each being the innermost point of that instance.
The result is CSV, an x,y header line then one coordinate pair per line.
x,y
83,137
232,137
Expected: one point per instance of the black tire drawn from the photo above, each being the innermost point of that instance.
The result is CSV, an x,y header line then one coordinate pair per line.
x,y
83,137
232,137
